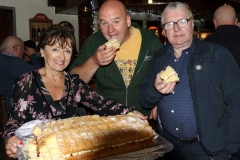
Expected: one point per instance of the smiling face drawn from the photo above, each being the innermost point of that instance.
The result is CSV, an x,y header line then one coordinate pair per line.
x,y
114,21
56,57
179,37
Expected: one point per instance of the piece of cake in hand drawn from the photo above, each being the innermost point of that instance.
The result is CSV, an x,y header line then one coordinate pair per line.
x,y
112,42
169,75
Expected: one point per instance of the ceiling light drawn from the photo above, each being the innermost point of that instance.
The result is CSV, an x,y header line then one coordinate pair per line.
x,y
150,1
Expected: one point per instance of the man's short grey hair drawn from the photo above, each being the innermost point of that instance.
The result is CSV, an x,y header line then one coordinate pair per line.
x,y
176,5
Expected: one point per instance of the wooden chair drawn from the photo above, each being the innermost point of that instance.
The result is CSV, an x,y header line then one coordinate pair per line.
x,y
3,112
3,121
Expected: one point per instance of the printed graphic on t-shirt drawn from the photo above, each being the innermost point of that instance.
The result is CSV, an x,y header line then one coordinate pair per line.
x,y
126,67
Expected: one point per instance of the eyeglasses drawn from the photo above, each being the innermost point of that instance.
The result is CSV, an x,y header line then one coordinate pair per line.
x,y
181,23
18,46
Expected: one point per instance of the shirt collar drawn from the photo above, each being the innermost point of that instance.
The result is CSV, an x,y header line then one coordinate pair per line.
x,y
8,54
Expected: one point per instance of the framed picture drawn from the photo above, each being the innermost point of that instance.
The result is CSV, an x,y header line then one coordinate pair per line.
x,y
37,25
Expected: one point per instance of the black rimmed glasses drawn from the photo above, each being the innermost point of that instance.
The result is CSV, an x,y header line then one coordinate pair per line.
x,y
181,23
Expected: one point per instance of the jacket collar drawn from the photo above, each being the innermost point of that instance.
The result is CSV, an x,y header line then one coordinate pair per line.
x,y
227,28
199,44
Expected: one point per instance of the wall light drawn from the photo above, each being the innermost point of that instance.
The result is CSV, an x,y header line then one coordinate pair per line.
x,y
150,1
85,9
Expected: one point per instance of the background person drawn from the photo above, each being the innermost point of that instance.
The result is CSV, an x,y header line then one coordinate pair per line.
x,y
227,32
29,49
200,113
12,65
13,45
118,74
52,93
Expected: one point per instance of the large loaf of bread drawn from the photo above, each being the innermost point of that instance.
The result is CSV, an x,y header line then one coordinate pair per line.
x,y
88,137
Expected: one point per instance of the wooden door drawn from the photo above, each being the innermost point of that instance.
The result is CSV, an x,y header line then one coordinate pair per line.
x,y
7,22
85,26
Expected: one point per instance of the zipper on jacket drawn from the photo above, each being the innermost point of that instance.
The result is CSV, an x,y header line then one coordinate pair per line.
x,y
133,78
126,96
104,73
138,69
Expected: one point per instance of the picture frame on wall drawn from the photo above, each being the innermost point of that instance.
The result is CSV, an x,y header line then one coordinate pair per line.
x,y
37,25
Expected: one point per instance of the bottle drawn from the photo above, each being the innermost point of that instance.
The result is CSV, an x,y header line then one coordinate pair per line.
x,y
38,32
33,32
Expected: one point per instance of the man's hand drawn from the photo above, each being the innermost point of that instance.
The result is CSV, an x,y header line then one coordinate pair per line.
x,y
11,145
163,87
29,51
102,56
153,114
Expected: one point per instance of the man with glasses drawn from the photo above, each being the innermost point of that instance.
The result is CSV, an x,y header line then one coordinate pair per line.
x,y
13,45
12,65
200,113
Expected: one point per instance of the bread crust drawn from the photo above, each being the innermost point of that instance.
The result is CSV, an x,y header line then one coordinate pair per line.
x,y
90,137
112,151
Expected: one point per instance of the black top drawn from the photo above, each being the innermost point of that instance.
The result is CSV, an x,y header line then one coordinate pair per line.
x,y
11,68
228,36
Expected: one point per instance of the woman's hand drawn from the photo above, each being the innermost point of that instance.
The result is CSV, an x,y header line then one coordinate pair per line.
x,y
140,115
11,145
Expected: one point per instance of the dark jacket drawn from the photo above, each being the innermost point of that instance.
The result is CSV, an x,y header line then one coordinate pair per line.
x,y
228,36
214,80
108,79
10,69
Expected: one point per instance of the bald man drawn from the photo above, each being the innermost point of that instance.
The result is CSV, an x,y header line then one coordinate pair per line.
x,y
225,15
227,31
13,45
118,73
12,65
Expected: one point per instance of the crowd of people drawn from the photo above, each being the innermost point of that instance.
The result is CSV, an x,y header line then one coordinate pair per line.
x,y
199,114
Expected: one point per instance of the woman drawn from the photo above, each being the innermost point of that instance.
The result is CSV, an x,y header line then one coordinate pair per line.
x,y
50,92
